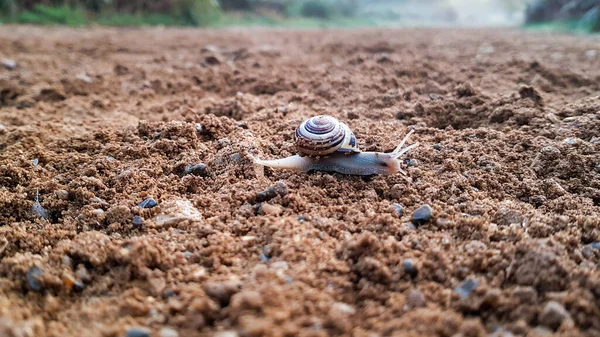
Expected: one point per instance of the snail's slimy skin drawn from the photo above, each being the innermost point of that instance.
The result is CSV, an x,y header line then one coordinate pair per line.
x,y
360,164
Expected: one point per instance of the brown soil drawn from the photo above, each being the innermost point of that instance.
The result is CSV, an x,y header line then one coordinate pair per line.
x,y
97,120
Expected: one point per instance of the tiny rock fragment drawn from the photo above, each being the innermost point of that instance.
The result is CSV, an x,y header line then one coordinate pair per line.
x,y
82,273
9,64
137,221
138,331
148,203
33,278
2,128
196,169
168,332
212,60
415,298
279,189
531,93
38,210
553,315
176,211
466,287
121,69
62,194
398,210
268,209
228,333
422,214
410,268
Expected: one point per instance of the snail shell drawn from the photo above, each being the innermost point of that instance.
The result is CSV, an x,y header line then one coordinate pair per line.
x,y
323,135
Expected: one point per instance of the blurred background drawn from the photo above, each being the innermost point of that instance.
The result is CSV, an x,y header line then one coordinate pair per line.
x,y
573,15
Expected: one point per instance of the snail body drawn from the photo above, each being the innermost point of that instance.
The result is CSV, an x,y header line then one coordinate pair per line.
x,y
325,144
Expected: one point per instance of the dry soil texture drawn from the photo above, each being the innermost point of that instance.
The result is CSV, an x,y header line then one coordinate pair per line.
x,y
98,120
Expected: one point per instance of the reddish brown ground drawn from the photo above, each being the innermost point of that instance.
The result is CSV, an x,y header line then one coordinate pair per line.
x,y
97,120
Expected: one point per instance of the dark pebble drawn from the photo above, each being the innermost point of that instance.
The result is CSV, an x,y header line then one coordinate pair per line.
x,y
148,203
410,268
598,168
138,221
437,147
280,189
301,218
212,60
33,278
466,288
422,214
398,209
197,169
138,331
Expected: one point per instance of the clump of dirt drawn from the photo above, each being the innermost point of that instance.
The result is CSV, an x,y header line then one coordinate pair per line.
x,y
129,204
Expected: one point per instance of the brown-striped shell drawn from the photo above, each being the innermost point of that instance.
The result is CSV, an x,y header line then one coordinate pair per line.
x,y
323,135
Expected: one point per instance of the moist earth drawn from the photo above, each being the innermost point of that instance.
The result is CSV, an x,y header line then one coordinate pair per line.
x,y
129,205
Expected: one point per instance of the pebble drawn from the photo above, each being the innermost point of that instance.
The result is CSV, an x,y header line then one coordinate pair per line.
x,y
466,287
148,203
279,189
138,221
35,162
553,314
9,64
98,212
398,209
138,331
410,268
415,299
595,245
437,147
212,60
268,209
62,194
422,214
226,334
33,278
82,273
38,210
197,169
168,332
598,168
2,128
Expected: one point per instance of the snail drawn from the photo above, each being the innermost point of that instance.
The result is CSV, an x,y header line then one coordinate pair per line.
x,y
326,144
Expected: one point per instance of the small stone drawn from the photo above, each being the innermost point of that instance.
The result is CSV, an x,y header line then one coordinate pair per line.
x,y
595,140
82,273
466,287
228,333
33,278
595,245
62,194
525,294
263,258
222,292
138,331
84,77
268,209
98,212
553,315
279,189
168,332
280,265
212,60
415,299
148,203
138,221
398,210
2,128
9,64
422,215
38,210
197,169
597,168
437,147
507,217
412,163
35,162
121,69
410,268
235,157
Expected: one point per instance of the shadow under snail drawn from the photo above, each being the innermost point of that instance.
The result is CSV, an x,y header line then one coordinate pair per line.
x,y
326,144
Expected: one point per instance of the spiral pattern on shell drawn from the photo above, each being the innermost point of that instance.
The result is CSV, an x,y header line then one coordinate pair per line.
x,y
322,135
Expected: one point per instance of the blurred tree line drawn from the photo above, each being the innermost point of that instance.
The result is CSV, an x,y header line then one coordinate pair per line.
x,y
187,12
578,14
